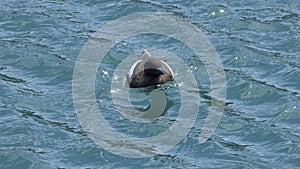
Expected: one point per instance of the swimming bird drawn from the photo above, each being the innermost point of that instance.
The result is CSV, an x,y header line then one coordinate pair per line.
x,y
149,71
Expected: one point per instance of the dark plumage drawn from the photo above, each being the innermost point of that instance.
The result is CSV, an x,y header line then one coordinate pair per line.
x,y
149,71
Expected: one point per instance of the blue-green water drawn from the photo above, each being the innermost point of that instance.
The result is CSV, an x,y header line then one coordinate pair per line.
x,y
258,43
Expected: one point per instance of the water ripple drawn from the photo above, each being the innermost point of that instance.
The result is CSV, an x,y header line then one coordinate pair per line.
x,y
258,43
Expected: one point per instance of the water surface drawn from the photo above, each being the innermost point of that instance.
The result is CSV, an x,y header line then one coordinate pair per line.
x,y
258,43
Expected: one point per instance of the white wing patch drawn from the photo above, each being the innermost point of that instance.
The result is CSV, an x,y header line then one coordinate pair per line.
x,y
129,75
168,67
